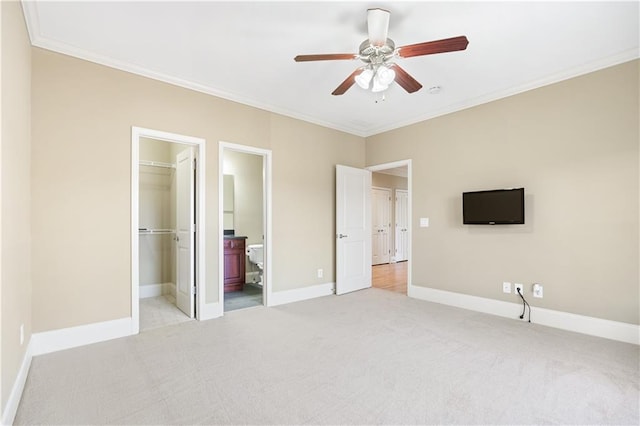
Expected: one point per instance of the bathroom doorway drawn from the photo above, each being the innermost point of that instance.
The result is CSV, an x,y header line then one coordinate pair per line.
x,y
167,248
244,182
391,196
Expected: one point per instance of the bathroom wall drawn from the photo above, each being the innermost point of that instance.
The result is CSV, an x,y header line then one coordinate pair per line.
x,y
246,170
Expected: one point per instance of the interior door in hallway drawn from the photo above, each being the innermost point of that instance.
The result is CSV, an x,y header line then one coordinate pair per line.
x,y
353,228
402,225
185,232
381,224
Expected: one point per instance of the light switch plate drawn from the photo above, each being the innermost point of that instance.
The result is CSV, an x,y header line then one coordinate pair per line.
x,y
424,222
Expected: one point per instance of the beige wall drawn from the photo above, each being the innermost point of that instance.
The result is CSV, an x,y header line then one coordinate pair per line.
x,y
15,266
304,231
388,181
574,147
82,118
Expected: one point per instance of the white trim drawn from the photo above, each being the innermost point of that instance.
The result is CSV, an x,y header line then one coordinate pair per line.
x,y
266,226
597,65
11,408
38,40
149,290
155,290
136,134
408,164
72,337
614,330
299,294
211,311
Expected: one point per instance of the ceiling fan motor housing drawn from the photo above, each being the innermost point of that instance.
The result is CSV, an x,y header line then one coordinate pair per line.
x,y
376,54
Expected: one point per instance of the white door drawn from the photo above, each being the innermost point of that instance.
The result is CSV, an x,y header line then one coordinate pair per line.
x,y
185,232
353,227
402,224
381,224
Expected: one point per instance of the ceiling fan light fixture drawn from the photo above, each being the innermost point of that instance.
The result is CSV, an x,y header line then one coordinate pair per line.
x,y
385,75
364,78
378,86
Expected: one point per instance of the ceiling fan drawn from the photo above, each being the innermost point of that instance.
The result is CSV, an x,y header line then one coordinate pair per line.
x,y
377,51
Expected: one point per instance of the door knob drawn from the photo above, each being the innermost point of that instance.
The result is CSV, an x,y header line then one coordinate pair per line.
x,y
342,236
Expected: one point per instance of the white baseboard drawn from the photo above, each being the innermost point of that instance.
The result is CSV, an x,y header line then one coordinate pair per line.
x,y
211,310
620,331
299,294
66,338
154,290
150,290
10,410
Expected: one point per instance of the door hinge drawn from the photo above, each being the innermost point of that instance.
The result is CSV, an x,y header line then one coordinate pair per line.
x,y
194,163
193,290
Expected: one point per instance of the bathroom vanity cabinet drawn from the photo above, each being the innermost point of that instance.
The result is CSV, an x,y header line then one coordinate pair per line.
x,y
234,263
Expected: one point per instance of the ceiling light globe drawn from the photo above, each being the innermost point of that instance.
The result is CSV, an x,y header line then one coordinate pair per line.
x,y
364,78
378,86
386,75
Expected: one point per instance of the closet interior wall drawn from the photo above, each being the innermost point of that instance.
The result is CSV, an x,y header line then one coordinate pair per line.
x,y
157,217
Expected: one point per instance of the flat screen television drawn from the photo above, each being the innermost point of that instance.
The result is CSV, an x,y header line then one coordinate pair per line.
x,y
495,207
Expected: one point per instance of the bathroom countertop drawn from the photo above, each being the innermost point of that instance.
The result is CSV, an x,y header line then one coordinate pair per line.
x,y
235,237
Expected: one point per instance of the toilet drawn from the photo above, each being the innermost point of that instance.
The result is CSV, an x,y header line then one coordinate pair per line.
x,y
256,256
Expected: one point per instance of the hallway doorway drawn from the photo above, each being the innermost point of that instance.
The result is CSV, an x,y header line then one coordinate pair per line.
x,y
392,270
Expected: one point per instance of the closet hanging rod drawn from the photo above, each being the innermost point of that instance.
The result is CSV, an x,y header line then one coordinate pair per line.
x,y
157,164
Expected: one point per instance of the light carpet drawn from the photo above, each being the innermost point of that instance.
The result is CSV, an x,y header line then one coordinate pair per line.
x,y
369,357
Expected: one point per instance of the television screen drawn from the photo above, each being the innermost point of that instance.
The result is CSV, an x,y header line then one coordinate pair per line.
x,y
496,207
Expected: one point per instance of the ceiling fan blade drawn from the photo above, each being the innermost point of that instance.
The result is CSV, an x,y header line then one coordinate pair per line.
x,y
378,26
431,47
346,85
326,57
407,82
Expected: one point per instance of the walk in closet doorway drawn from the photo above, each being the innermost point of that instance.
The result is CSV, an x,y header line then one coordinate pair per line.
x,y
167,245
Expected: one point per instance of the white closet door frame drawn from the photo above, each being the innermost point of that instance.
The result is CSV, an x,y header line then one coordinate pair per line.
x,y
199,143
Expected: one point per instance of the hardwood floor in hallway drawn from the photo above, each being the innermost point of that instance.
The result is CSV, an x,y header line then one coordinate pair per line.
x,y
390,276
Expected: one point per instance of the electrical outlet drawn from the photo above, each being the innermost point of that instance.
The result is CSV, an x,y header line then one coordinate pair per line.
x,y
517,286
537,290
506,287
21,334
320,273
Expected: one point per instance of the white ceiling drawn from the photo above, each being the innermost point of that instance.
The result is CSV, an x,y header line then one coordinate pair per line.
x,y
243,51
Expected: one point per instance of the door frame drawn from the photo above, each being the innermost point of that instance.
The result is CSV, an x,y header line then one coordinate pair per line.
x,y
266,217
392,165
395,216
390,191
200,216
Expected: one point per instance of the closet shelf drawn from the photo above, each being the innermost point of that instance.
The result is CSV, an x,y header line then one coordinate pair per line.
x,y
148,231
157,164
